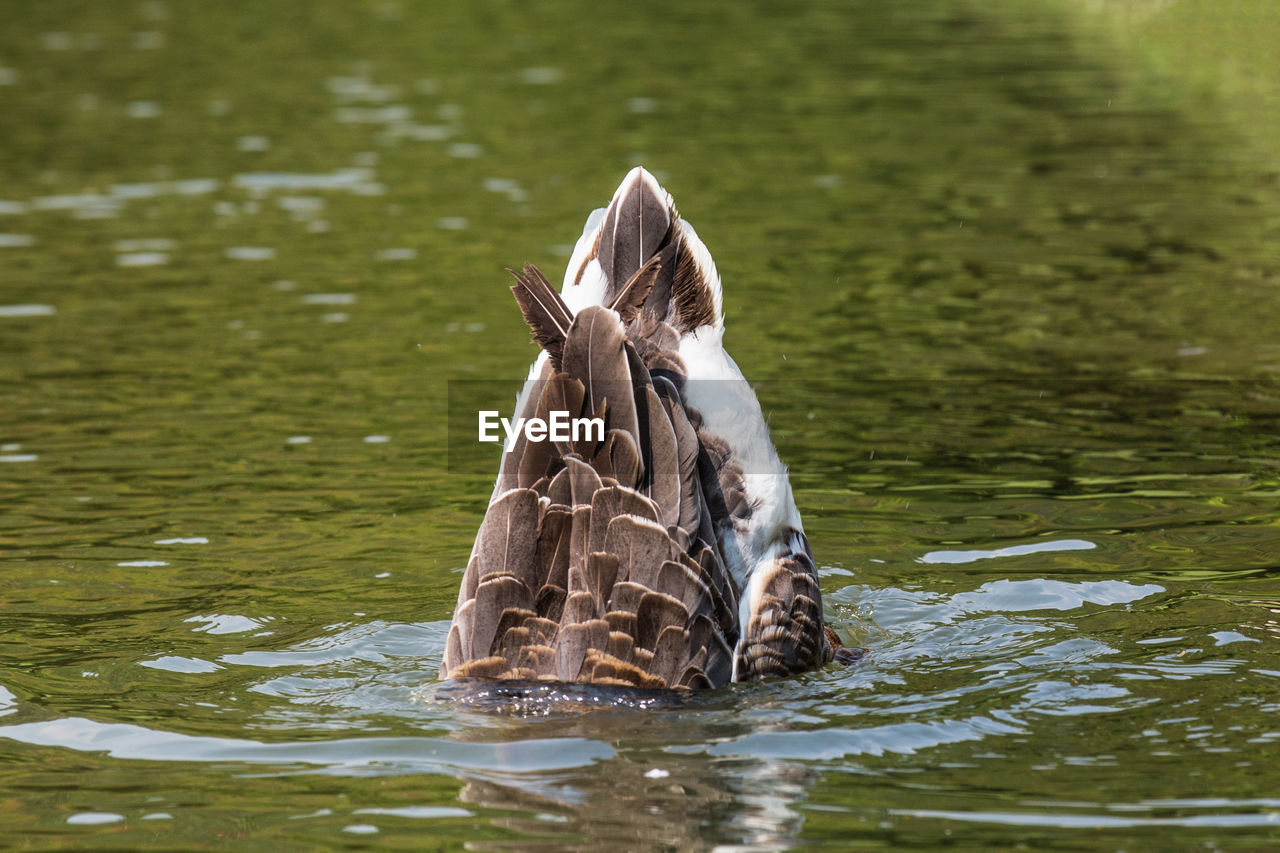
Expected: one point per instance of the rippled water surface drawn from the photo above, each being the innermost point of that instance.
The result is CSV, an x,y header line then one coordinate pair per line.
x,y
1005,274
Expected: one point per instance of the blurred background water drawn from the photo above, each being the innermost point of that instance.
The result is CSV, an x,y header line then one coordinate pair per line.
x,y
1005,275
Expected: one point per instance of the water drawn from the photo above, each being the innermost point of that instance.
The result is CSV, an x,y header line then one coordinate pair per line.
x,y
1005,275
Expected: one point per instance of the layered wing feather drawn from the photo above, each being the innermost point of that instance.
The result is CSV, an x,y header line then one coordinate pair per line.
x,y
595,565
782,625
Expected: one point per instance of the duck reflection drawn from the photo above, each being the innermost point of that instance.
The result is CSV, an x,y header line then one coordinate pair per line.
x,y
676,796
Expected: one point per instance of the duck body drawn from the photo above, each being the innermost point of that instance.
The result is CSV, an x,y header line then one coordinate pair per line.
x,y
666,550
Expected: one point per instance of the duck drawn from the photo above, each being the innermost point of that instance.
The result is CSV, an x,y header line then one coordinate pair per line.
x,y
662,549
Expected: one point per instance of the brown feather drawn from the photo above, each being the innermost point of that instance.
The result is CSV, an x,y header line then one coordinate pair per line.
x,y
687,446
621,643
578,537
542,629
541,459
543,310
658,307
503,541
681,582
453,645
540,659
626,595
549,603
563,393
602,571
509,470
784,632
633,294
656,612
595,351
558,492
618,458
662,462
691,294
495,595
571,650
694,667
487,667
579,607
670,652
552,549
634,228
642,547
584,482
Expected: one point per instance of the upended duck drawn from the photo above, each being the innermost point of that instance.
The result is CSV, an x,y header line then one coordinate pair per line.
x,y
666,550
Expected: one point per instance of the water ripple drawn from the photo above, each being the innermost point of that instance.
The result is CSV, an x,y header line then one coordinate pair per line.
x,y
346,756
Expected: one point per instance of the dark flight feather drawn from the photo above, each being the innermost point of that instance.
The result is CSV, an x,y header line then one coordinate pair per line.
x,y
632,296
503,543
545,312
663,462
634,229
509,472
595,353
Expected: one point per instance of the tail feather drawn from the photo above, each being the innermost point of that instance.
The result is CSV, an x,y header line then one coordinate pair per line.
x,y
632,296
615,582
543,310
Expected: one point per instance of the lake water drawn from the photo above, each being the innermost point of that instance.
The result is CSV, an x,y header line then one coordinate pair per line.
x,y
1005,275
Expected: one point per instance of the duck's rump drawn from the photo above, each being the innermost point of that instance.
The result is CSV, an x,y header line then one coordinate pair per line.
x,y
641,555
597,559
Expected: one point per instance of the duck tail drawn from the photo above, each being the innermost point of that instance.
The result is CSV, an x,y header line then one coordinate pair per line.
x,y
640,225
597,561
